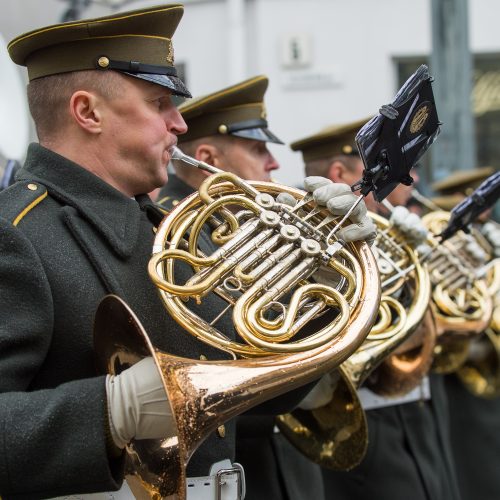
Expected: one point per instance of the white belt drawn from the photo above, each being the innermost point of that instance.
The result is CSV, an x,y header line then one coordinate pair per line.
x,y
226,482
370,400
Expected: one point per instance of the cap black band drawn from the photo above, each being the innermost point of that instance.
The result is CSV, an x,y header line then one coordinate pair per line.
x,y
136,67
235,127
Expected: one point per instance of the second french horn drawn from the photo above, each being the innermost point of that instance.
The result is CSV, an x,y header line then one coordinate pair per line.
x,y
336,435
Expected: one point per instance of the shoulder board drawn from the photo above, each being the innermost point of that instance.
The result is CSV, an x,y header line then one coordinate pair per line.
x,y
20,199
167,203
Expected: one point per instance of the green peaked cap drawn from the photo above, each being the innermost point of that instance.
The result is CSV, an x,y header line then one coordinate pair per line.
x,y
137,43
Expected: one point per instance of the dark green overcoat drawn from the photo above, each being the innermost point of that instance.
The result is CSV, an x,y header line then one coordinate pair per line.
x,y
409,455
475,439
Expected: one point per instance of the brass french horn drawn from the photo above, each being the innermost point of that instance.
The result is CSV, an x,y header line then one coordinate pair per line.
x,y
294,329
405,297
461,303
396,364
480,373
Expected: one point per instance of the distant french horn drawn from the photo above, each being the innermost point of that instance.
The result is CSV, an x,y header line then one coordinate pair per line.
x,y
480,373
461,303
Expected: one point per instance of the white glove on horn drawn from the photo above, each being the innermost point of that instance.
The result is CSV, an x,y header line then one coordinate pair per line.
x,y
138,406
410,225
322,393
492,233
474,249
339,198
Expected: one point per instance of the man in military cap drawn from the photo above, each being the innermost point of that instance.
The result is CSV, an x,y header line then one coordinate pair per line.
x,y
229,129
475,421
72,233
76,227
408,452
454,188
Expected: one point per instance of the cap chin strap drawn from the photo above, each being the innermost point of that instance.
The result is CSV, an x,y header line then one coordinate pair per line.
x,y
236,127
103,63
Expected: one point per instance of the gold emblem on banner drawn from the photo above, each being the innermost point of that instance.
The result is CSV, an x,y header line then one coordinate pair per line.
x,y
419,118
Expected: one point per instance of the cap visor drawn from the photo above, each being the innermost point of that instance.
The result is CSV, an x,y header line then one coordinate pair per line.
x,y
174,83
257,134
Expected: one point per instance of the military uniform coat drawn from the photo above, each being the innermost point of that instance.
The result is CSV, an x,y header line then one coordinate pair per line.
x,y
409,455
475,439
67,240
274,469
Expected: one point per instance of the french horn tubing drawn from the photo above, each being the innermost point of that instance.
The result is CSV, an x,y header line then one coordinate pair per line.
x,y
461,303
291,328
480,373
395,367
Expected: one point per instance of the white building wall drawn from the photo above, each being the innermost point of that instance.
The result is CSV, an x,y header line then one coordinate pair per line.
x,y
483,25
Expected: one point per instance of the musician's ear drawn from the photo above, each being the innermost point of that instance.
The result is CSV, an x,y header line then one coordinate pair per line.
x,y
338,172
208,153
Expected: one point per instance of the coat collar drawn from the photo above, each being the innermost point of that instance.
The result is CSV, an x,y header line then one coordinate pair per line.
x,y
114,215
174,190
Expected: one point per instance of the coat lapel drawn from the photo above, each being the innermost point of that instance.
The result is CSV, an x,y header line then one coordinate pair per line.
x,y
80,231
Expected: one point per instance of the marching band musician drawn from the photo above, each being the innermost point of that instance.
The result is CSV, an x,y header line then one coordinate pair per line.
x,y
75,228
451,190
408,452
229,129
475,422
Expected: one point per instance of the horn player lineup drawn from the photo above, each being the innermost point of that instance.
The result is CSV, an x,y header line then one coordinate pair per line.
x,y
176,324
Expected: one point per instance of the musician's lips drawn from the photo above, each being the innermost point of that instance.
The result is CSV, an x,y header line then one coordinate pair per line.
x,y
171,149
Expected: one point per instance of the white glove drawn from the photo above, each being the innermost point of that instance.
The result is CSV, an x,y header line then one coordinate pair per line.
x,y
474,249
322,393
479,349
423,250
339,198
137,404
410,225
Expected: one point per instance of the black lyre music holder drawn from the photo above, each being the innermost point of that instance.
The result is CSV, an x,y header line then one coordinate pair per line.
x,y
392,142
466,212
